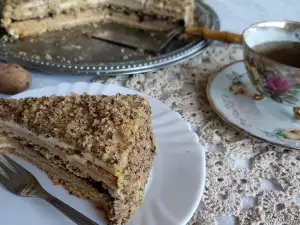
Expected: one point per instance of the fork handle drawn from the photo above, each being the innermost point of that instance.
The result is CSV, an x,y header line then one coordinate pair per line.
x,y
73,214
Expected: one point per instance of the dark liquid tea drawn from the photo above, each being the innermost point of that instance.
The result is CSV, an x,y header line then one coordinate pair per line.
x,y
284,52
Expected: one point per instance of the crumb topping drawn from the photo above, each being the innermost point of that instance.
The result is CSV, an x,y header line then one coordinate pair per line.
x,y
95,124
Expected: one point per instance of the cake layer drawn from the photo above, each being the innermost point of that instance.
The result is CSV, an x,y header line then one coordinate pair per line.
x,y
118,207
88,171
179,9
56,147
81,188
39,16
44,8
66,21
23,10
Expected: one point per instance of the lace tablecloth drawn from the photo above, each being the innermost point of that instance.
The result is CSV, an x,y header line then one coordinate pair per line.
x,y
248,182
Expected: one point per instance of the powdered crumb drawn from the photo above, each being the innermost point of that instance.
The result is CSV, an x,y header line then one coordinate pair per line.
x,y
48,57
22,53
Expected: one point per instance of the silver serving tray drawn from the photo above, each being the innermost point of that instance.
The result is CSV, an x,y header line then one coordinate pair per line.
x,y
70,51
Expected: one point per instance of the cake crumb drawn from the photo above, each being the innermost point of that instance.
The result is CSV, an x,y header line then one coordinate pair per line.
x,y
36,57
22,53
48,57
149,58
184,37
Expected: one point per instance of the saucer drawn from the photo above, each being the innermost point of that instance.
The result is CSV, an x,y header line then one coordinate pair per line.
x,y
230,93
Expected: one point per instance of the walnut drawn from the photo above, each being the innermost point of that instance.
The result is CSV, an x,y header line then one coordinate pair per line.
x,y
13,79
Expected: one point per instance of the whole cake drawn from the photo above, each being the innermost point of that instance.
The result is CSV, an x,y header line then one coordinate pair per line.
x,y
32,17
100,148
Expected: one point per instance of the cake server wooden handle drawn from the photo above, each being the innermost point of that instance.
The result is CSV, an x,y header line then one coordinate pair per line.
x,y
209,34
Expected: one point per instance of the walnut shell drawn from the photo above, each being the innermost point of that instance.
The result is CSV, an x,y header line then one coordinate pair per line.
x,y
13,79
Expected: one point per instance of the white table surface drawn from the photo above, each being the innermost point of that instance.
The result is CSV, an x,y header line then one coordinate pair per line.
x,y
235,15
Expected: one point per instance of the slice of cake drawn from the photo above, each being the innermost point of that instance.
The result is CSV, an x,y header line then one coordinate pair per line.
x,y
99,147
33,17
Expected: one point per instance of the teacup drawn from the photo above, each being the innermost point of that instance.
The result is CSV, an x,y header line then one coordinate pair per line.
x,y
280,82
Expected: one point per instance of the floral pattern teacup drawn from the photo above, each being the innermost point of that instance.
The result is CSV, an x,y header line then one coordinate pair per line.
x,y
278,81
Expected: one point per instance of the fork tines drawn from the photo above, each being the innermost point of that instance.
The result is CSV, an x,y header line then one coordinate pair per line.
x,y
7,170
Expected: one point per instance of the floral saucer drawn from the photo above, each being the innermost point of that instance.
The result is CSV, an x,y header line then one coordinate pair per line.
x,y
230,93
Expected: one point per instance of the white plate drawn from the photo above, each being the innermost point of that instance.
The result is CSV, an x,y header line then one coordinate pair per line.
x,y
174,189
230,94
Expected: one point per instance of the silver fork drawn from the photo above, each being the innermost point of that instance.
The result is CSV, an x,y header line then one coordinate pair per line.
x,y
23,183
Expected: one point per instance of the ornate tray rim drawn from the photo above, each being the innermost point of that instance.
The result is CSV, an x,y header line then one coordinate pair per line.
x,y
125,68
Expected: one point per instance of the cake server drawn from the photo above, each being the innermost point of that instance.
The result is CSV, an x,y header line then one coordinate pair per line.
x,y
24,184
156,41
151,41
209,34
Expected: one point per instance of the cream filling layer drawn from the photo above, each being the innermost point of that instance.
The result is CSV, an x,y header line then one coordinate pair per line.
x,y
41,9
27,152
50,143
64,21
4,142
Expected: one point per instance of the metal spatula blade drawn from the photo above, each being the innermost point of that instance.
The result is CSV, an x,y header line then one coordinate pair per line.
x,y
152,41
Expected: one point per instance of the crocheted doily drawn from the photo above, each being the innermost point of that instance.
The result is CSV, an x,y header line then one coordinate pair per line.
x,y
248,182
